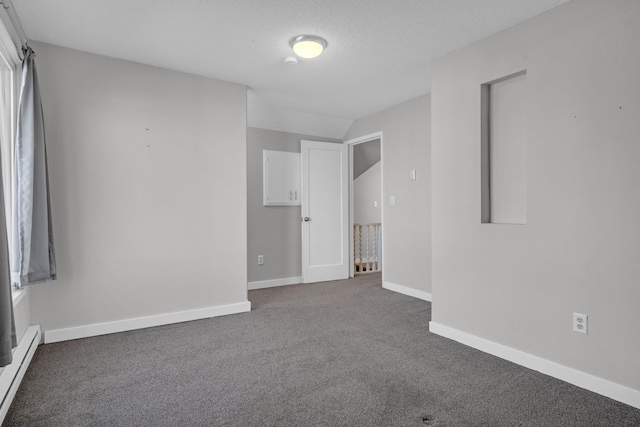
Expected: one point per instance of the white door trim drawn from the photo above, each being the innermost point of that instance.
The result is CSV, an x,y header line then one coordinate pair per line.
x,y
351,143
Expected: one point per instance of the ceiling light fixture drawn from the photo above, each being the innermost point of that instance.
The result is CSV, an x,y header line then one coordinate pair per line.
x,y
308,47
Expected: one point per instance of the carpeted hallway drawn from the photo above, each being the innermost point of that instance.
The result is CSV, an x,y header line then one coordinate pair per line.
x,y
345,353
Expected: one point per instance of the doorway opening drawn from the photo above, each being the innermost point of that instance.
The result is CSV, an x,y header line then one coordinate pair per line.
x,y
366,204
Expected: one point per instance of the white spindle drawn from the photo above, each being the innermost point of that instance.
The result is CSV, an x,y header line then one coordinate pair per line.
x,y
365,254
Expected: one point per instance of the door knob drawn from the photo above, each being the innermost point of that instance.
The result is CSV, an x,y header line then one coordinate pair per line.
x,y
306,219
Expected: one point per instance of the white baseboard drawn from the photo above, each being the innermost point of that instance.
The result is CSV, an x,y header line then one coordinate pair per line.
x,y
95,329
426,296
12,374
581,379
273,283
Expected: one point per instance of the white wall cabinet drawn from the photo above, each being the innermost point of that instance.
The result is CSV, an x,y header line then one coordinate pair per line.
x,y
281,178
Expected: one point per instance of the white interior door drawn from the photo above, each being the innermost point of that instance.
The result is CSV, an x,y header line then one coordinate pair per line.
x,y
325,211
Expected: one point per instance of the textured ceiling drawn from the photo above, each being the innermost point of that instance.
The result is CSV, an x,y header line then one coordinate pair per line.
x,y
378,55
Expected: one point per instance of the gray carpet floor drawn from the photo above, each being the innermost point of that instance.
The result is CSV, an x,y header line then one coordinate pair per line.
x,y
344,353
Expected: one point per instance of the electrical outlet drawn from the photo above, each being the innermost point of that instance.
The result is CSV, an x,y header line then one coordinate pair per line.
x,y
580,323
375,204
392,200
260,259
412,174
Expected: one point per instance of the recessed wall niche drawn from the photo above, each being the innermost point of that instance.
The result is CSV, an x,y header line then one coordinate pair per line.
x,y
504,150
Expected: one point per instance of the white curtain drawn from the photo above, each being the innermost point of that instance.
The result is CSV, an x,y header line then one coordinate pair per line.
x,y
33,258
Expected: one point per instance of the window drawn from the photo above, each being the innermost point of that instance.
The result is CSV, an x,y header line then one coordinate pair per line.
x,y
10,64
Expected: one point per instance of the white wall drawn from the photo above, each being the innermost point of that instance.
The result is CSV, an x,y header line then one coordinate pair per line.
x,y
518,285
407,225
274,231
22,316
367,189
148,186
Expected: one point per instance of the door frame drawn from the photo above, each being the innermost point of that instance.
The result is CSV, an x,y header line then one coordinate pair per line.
x,y
351,143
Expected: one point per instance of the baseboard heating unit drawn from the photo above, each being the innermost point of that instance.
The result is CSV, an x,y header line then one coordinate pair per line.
x,y
12,375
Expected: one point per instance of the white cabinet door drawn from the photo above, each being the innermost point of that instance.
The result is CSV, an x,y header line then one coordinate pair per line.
x,y
281,178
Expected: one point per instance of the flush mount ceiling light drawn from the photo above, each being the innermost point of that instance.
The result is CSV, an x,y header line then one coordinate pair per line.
x,y
308,47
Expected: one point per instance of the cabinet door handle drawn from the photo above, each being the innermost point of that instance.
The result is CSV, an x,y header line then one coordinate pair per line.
x,y
306,219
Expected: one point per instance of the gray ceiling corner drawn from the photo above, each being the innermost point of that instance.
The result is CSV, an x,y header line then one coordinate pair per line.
x,y
379,53
365,155
262,113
